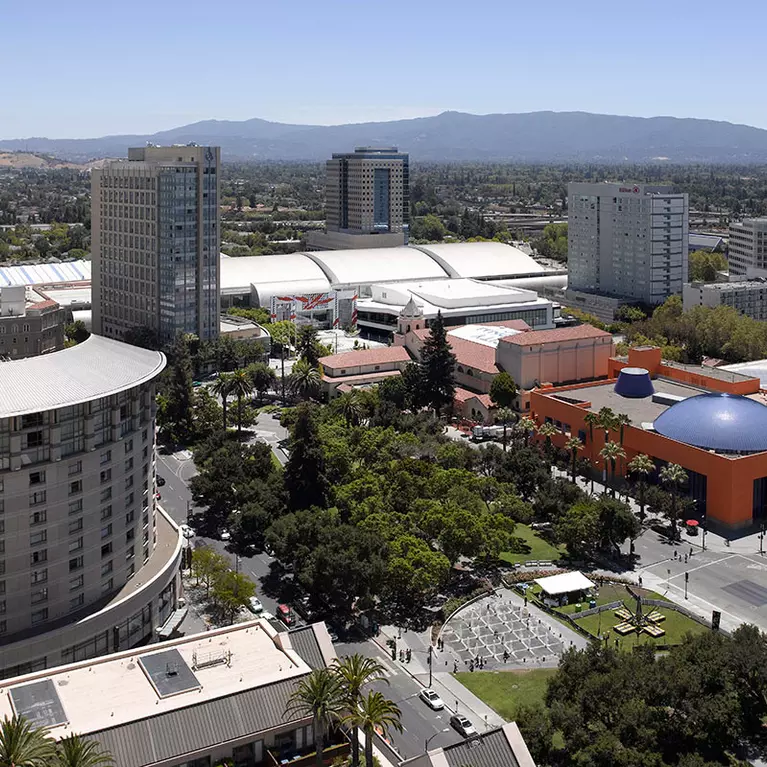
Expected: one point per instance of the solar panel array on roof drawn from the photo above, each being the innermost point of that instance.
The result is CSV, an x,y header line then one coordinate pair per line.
x,y
39,703
168,673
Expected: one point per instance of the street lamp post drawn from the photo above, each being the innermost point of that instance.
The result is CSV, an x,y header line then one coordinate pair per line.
x,y
429,661
686,580
761,538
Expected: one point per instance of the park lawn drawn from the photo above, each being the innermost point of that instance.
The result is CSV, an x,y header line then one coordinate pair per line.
x,y
676,626
505,691
538,549
610,593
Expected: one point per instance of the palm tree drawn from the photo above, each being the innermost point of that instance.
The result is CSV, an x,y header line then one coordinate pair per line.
x,y
22,745
76,751
574,445
262,377
547,431
304,379
241,387
621,421
318,695
355,671
607,421
526,426
223,388
674,476
641,466
592,419
351,408
610,453
375,713
504,415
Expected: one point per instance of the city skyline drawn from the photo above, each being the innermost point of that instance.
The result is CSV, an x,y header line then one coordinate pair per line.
x,y
503,60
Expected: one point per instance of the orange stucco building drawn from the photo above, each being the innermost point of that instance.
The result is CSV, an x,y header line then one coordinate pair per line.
x,y
711,422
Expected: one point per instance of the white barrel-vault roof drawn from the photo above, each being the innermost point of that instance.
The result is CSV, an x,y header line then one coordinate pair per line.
x,y
350,268
483,260
97,367
240,272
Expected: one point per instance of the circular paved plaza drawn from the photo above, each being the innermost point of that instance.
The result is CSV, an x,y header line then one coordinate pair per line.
x,y
497,624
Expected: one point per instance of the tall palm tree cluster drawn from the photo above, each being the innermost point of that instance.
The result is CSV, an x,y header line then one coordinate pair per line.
x,y
335,697
241,384
24,745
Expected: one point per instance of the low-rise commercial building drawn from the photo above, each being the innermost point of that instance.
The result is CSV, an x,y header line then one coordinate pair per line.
x,y
749,297
195,701
361,369
30,323
87,564
710,421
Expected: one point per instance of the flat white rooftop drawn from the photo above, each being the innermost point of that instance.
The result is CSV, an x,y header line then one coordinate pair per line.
x,y
104,693
487,335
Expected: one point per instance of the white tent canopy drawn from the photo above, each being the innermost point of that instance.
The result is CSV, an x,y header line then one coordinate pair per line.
x,y
564,583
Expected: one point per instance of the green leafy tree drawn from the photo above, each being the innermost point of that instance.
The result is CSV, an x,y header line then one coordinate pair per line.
x,y
305,478
207,565
76,751
579,529
437,365
503,390
262,378
23,745
231,591
308,345
76,331
356,671
320,696
178,393
703,265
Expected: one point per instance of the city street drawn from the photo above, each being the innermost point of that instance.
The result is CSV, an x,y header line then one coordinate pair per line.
x,y
419,722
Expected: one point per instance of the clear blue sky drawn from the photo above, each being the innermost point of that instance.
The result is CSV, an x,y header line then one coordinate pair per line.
x,y
94,67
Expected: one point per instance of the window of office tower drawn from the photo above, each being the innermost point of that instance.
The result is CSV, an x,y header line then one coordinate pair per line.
x,y
381,219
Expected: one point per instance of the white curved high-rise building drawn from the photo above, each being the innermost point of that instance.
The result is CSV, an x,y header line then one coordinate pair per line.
x,y
87,564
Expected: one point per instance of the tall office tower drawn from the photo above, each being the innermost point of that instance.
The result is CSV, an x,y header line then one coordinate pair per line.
x,y
367,200
748,247
155,242
626,241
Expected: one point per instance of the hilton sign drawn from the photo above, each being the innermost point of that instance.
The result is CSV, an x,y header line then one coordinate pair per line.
x,y
629,189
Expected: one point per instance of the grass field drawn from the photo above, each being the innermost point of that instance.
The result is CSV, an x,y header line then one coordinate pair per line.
x,y
505,691
676,626
609,593
537,548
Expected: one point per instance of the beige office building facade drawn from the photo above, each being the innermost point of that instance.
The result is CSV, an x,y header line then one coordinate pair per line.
x,y
87,563
747,250
628,241
156,242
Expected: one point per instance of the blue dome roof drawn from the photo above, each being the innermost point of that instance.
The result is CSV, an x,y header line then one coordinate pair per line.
x,y
723,422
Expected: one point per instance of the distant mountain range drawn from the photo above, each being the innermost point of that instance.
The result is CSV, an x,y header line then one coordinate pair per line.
x,y
451,136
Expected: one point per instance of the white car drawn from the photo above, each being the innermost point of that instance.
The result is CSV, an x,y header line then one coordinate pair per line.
x,y
225,535
431,699
255,606
463,725
187,531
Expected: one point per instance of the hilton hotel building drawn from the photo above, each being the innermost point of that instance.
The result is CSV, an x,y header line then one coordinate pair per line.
x,y
626,241
155,243
88,564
